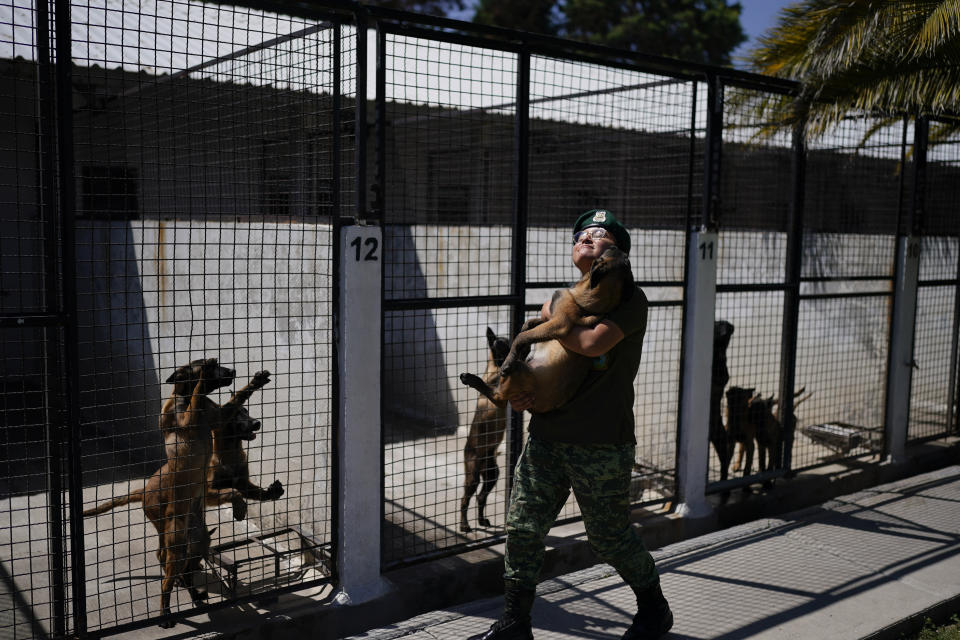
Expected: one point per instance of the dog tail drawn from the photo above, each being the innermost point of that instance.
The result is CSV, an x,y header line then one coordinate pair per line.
x,y
103,507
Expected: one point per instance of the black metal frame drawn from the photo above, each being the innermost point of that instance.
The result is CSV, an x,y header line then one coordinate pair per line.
x,y
59,318
525,45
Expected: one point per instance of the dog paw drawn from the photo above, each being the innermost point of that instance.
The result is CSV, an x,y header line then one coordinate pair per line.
x,y
465,528
239,509
260,379
483,522
470,380
167,624
275,490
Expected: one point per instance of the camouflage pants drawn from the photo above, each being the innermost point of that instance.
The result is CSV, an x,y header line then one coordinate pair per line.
x,y
600,477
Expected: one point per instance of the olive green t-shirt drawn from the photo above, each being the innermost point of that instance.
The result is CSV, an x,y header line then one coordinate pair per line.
x,y
601,411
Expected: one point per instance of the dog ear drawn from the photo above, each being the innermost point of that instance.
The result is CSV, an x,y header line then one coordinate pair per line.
x,y
597,270
491,337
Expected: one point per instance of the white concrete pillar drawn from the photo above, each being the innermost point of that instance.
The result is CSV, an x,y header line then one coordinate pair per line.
x,y
694,444
900,375
359,445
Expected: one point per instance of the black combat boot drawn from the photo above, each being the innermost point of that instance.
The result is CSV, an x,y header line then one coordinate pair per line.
x,y
514,624
653,618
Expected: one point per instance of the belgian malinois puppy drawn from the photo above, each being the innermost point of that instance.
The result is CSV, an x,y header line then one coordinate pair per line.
x,y
174,496
768,427
555,373
228,478
486,433
740,428
184,380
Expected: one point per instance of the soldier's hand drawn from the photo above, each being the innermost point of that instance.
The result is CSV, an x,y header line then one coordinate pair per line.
x,y
545,310
522,402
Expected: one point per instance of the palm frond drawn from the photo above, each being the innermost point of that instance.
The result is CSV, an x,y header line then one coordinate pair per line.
x,y
882,57
940,27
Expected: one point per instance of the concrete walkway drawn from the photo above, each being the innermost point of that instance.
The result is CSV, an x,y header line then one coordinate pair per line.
x,y
873,564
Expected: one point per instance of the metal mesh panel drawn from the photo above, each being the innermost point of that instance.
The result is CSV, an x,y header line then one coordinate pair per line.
x,y
935,340
31,517
854,186
753,363
448,234
756,173
933,353
625,140
349,74
943,187
450,119
33,583
204,179
854,182
613,138
842,348
424,457
656,390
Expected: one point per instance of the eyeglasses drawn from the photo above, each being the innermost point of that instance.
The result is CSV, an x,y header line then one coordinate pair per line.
x,y
594,232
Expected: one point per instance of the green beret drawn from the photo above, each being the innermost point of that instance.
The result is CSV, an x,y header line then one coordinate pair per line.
x,y
605,219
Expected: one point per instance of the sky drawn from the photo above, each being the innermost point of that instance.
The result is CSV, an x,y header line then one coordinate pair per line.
x,y
756,17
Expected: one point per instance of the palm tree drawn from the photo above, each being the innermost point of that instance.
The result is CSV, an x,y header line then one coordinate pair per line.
x,y
886,58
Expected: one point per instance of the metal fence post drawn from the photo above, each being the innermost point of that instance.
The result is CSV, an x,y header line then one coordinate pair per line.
x,y
693,449
903,325
519,258
700,294
359,443
899,376
67,203
791,299
359,339
52,344
360,116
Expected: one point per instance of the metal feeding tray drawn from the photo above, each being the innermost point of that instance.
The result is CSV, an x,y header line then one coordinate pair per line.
x,y
257,564
842,437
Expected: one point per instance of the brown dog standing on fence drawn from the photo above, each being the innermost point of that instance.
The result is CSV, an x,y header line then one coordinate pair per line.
x,y
761,415
173,497
487,429
555,373
752,418
228,477
769,429
184,380
740,429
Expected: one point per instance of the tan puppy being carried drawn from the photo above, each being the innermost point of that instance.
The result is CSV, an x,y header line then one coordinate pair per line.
x,y
555,373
